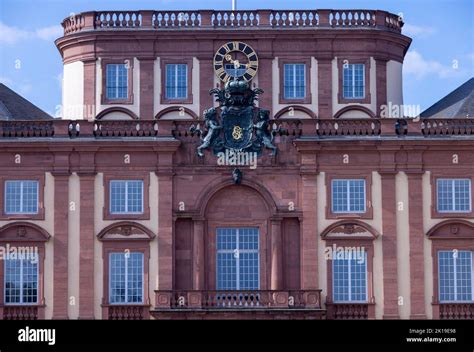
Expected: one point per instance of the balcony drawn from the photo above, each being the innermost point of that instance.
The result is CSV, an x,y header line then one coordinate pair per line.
x,y
22,312
126,312
350,311
238,304
246,19
182,129
456,311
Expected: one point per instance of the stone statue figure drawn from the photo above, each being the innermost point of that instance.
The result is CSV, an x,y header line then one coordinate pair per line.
x,y
261,131
237,176
213,128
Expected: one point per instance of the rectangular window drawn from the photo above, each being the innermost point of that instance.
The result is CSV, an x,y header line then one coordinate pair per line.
x,y
126,278
21,280
294,81
454,195
126,197
176,81
353,81
455,276
21,197
350,277
348,196
116,81
238,266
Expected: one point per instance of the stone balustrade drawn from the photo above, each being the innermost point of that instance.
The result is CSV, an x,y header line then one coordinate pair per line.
x,y
241,299
222,19
191,129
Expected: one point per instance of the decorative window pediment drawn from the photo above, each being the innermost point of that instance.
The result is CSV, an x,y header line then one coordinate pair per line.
x,y
127,231
452,229
349,229
23,232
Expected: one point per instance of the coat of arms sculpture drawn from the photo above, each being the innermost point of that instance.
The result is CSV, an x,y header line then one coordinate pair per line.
x,y
237,124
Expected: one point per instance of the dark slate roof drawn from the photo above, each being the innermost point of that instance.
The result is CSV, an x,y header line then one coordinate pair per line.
x,y
458,103
14,107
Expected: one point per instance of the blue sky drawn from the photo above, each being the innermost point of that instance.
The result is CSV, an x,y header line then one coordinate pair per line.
x,y
440,58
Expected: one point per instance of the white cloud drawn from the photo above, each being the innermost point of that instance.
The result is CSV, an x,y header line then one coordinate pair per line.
x,y
415,64
49,33
12,35
418,31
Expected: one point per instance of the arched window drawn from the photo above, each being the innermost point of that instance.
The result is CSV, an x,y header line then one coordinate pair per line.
x,y
22,271
349,253
126,252
453,269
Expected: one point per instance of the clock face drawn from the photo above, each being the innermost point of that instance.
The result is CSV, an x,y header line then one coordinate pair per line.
x,y
235,60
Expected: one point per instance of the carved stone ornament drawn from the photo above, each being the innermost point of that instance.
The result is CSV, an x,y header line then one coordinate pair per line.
x,y
21,231
126,231
240,126
454,229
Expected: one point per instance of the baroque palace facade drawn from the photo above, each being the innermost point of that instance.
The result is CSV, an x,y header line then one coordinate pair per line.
x,y
286,193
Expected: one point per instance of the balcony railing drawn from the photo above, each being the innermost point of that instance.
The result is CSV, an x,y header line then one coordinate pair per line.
x,y
348,311
209,19
456,311
262,299
443,127
190,129
127,312
22,312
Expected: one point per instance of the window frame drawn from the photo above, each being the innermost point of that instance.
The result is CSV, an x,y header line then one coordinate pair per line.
x,y
367,176
21,284
189,96
448,235
455,277
350,280
176,80
109,298
453,193
126,205
40,214
332,237
21,197
294,86
459,174
348,198
115,240
340,71
306,61
128,61
33,236
144,215
352,84
238,278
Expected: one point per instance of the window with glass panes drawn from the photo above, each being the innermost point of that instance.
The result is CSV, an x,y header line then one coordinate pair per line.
x,y
349,272
176,81
21,279
294,81
454,195
348,196
126,278
353,82
21,197
126,197
116,81
455,276
238,266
